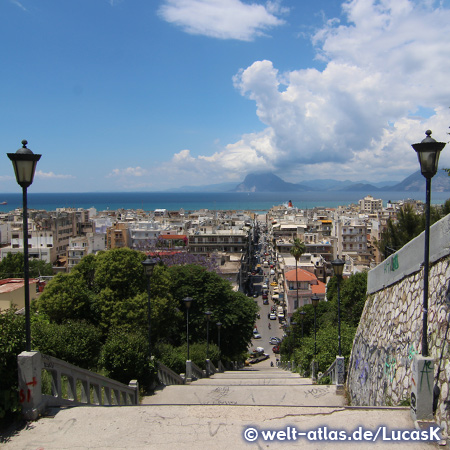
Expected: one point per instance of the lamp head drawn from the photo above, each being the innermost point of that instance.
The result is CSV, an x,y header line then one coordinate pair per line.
x,y
315,300
149,264
24,163
187,301
338,267
428,152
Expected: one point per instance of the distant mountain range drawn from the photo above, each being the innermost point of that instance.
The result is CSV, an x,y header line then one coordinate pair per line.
x,y
269,182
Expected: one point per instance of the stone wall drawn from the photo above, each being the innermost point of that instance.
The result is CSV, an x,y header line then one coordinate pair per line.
x,y
390,330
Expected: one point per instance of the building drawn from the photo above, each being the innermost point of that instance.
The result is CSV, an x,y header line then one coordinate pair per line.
x,y
308,285
370,205
12,293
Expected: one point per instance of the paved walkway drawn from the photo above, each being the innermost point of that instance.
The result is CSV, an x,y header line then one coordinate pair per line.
x,y
217,413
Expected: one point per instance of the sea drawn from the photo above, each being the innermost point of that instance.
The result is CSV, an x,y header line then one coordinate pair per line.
x,y
192,201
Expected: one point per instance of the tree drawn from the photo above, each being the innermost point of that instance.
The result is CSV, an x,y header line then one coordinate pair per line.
x,y
65,298
297,251
11,266
234,310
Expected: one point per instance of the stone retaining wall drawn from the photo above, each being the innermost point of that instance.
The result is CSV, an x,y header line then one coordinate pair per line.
x,y
390,334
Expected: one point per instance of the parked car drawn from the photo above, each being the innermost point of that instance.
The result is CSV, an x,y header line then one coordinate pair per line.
x,y
276,349
265,300
274,283
275,340
265,286
272,316
256,335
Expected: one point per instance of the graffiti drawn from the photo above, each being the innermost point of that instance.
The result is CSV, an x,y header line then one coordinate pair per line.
x,y
390,367
427,369
316,392
391,265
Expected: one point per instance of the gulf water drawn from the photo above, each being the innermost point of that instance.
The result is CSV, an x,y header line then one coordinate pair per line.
x,y
149,201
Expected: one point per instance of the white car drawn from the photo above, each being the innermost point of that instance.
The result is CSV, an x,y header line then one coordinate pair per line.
x,y
264,286
272,316
256,335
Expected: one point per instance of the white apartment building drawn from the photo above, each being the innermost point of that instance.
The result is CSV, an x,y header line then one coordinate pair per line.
x,y
40,244
81,246
370,205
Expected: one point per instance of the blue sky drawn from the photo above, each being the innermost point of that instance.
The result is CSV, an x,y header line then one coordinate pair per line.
x,y
139,95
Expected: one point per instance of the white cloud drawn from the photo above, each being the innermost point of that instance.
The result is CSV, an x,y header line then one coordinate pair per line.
x,y
223,19
17,3
386,69
49,175
128,172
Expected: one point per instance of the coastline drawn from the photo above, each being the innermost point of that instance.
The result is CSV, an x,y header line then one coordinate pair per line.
x,y
193,201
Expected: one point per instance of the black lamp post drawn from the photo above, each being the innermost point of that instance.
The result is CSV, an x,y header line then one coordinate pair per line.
x,y
208,316
428,152
302,319
293,324
24,162
219,326
187,301
315,302
149,264
338,268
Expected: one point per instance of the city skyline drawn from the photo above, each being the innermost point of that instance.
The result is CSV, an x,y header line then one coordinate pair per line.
x,y
146,96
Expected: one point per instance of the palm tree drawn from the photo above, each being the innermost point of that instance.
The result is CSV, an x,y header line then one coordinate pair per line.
x,y
296,251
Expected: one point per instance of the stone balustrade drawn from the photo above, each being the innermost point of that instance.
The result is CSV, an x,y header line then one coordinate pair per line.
x,y
167,376
69,385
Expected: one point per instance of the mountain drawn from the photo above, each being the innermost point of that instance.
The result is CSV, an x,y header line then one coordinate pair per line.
x,y
416,182
267,182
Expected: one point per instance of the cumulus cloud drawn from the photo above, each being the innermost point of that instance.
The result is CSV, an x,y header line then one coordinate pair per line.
x,y
51,175
223,19
357,118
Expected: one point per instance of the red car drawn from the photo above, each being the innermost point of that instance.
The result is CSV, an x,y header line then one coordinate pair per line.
x,y
276,349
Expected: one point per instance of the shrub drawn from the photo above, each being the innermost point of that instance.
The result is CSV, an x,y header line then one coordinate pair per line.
x,y
77,343
12,342
124,357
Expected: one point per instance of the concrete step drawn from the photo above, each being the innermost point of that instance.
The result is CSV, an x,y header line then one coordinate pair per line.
x,y
235,393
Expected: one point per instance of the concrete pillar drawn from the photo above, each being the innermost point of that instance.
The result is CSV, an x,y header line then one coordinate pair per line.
x,y
208,368
422,376
30,386
188,371
340,370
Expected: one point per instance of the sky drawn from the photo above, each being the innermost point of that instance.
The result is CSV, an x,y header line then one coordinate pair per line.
x,y
148,95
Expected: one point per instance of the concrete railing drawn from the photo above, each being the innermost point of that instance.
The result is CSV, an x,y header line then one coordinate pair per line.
x,y
193,372
70,385
336,372
167,376
220,366
210,368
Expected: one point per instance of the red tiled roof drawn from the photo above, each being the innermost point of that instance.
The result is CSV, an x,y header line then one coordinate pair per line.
x,y
302,275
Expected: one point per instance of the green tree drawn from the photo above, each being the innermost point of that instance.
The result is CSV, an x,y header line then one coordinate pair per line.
x,y
297,251
11,266
65,298
234,310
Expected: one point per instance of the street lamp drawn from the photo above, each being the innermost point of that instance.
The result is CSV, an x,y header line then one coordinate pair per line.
x,y
149,264
428,152
338,268
302,319
315,302
24,162
219,326
208,316
187,301
293,324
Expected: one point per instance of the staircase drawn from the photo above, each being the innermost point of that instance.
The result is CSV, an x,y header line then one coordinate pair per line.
x,y
226,411
260,385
